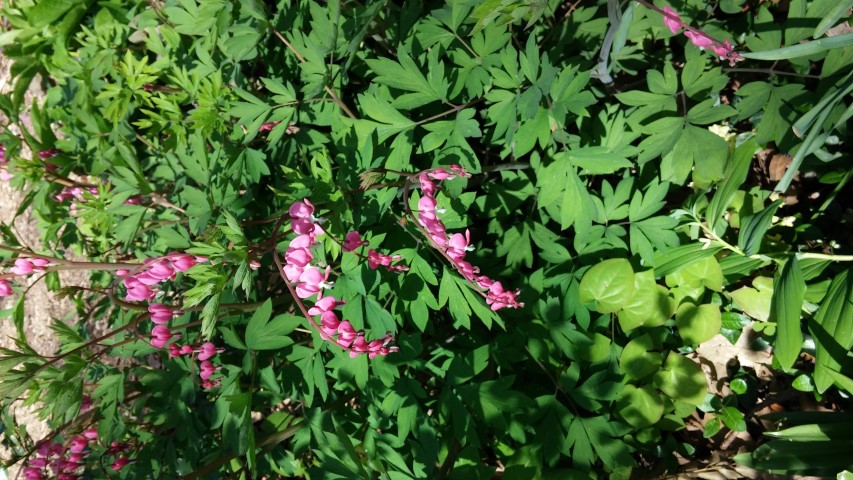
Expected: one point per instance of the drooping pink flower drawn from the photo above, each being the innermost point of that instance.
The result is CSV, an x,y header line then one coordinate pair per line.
x,y
699,39
160,314
206,369
671,19
119,463
312,281
90,434
160,336
208,350
352,241
78,444
5,288
22,267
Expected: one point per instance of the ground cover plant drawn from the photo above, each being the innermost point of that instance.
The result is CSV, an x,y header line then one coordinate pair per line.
x,y
430,239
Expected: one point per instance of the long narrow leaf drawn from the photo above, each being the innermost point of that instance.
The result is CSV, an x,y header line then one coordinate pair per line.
x,y
754,227
833,330
803,49
786,305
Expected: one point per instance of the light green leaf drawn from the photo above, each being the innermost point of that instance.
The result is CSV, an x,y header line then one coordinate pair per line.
x,y
697,324
640,407
682,379
608,285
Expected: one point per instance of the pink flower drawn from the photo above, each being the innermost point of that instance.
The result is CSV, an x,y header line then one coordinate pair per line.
x,y
458,245
427,185
208,350
353,241
49,153
325,304
440,174
78,444
22,267
5,288
39,262
499,298
160,314
33,473
160,336
671,19
119,463
699,39
726,52
312,281
182,261
5,175
346,334
298,256
206,370
303,209
139,293
329,323
90,434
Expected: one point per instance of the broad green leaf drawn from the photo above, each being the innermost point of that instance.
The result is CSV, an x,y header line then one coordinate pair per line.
x,y
650,304
682,379
638,359
755,302
640,407
608,285
265,334
789,292
697,324
701,273
798,457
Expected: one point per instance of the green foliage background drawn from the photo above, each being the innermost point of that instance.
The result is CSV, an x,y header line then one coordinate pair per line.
x,y
634,231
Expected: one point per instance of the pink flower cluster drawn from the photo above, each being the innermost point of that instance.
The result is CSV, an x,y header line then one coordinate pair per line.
x,y
153,271
344,335
65,461
724,50
4,172
310,280
205,352
23,266
75,194
457,245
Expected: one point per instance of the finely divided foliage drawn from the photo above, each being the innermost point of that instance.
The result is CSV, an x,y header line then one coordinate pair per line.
x,y
429,239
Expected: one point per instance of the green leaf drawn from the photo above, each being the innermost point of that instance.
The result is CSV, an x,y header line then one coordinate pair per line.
x,y
638,359
265,334
733,179
789,291
608,285
677,258
406,75
754,227
650,304
833,330
799,457
705,273
755,302
733,418
682,379
697,324
640,407
813,47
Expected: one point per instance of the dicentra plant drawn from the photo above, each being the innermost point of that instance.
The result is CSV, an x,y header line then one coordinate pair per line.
x,y
426,239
